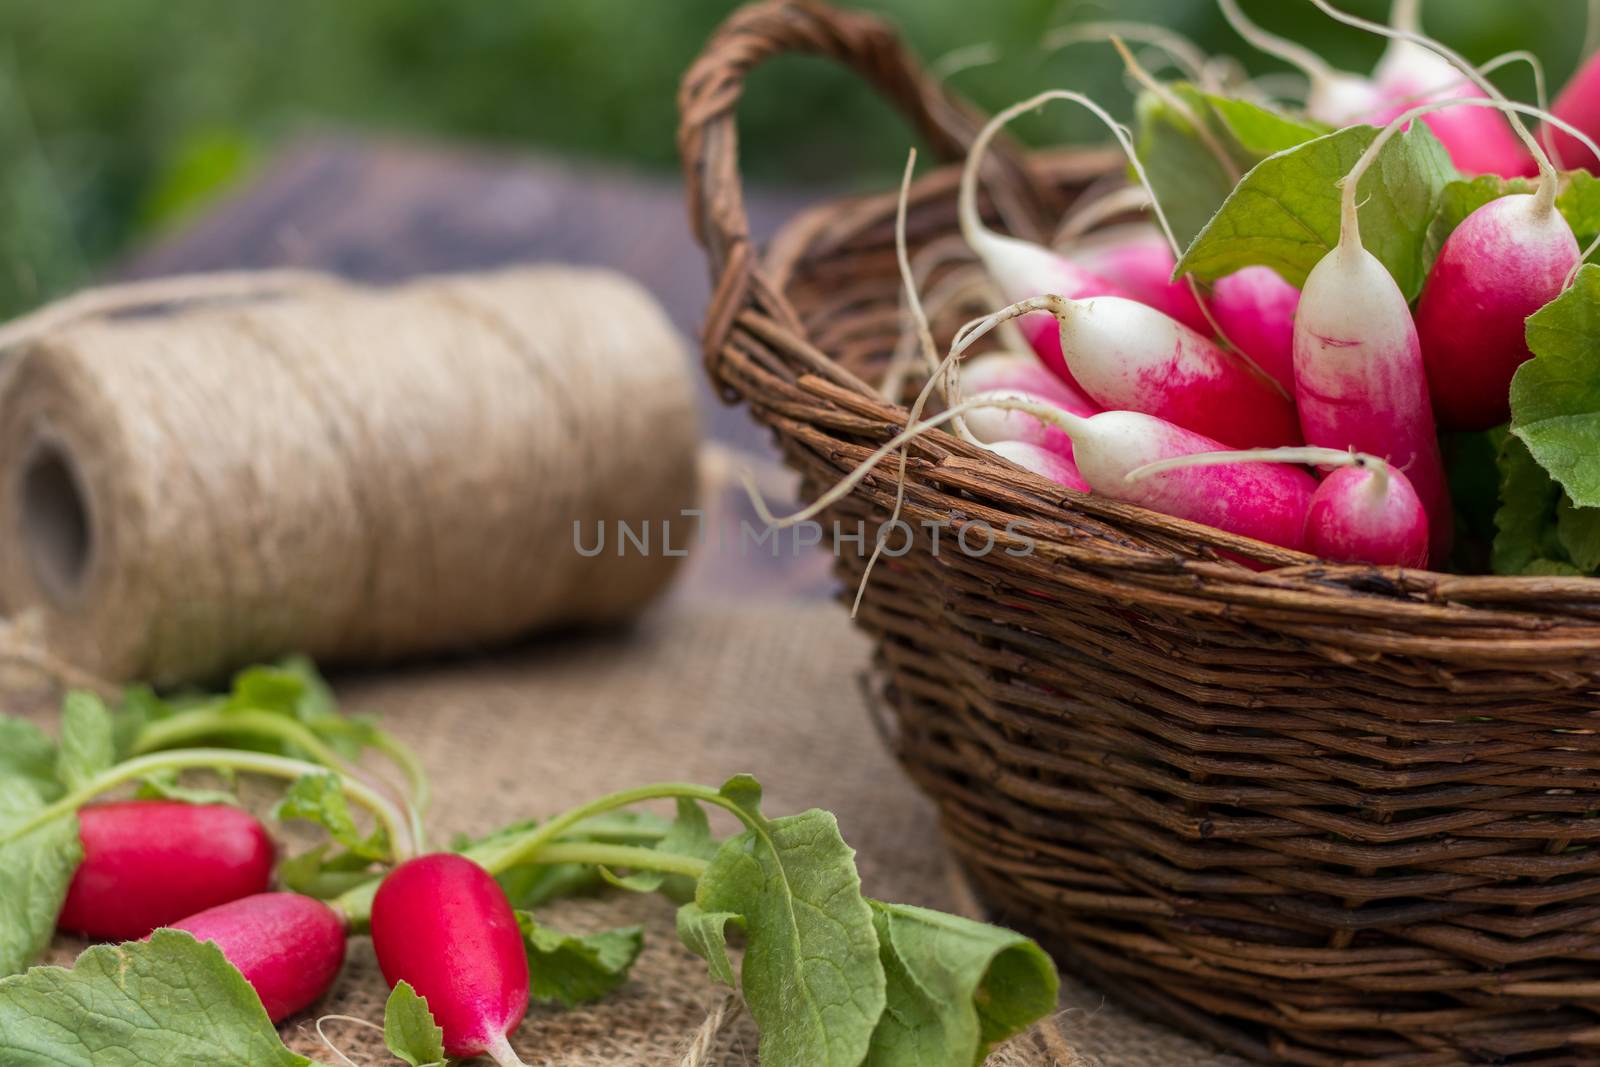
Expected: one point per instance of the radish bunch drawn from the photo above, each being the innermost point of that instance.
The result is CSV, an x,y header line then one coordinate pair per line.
x,y
1298,409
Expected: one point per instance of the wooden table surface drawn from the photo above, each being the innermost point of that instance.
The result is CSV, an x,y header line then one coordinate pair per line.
x,y
380,210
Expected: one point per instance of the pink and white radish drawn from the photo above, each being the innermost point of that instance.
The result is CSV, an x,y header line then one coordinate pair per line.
x,y
1359,378
1416,68
1139,261
1021,372
1335,97
1413,71
1578,104
1364,511
1264,501
147,863
1124,354
1041,461
1255,310
443,924
991,424
1021,269
287,946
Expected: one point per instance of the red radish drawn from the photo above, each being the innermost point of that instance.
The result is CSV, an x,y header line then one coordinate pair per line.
x,y
1505,261
1126,355
1335,97
288,947
147,863
1578,104
443,924
1141,265
1264,501
1365,511
1041,461
1021,372
989,425
1255,310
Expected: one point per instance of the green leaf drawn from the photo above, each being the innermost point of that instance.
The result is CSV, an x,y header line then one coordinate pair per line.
x,y
87,747
314,873
1284,214
1527,539
1578,531
956,988
574,970
1187,174
745,793
1258,132
811,975
1555,396
706,934
35,871
26,752
531,886
169,1000
409,1029
317,798
1579,204
1472,466
1188,178
1461,198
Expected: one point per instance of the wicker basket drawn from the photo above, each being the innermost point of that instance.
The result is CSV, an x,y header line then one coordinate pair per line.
x,y
1318,814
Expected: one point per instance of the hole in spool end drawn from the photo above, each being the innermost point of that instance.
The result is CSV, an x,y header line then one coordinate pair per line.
x,y
55,521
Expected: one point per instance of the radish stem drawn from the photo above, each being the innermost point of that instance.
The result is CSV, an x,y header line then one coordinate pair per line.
x,y
403,833
1184,53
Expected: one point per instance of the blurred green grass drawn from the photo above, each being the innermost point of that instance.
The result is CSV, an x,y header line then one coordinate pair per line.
x,y
122,117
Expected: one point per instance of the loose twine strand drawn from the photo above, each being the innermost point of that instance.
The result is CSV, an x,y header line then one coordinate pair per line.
x,y
255,464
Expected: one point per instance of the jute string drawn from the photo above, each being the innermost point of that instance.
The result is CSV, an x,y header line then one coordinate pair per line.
x,y
199,473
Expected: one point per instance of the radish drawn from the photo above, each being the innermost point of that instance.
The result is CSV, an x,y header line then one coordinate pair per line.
x,y
443,924
1140,263
1021,372
1041,461
1255,310
1504,261
1579,105
1264,501
1414,71
989,424
288,947
147,863
1021,268
1124,354
1335,97
1365,511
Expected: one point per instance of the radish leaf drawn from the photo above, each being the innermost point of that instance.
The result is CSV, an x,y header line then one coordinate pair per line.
x,y
573,970
1188,176
319,798
956,988
1284,214
811,975
168,1000
35,871
1555,396
86,744
26,752
410,1030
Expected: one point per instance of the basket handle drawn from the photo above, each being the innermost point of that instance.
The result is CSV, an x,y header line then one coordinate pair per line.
x,y
708,138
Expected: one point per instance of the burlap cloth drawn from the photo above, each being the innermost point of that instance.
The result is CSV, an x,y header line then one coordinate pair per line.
x,y
694,692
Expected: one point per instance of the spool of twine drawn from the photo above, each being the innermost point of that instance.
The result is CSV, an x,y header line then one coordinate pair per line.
x,y
210,473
